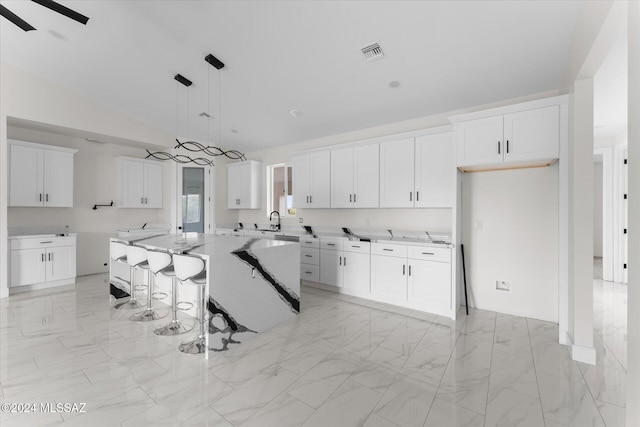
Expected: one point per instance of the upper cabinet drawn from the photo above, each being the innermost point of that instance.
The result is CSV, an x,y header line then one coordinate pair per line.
x,y
140,183
417,172
521,138
311,180
244,183
40,175
354,177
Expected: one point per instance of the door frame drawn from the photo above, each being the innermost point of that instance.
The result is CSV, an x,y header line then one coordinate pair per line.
x,y
608,223
176,197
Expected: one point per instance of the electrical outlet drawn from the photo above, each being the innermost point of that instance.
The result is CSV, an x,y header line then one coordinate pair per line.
x,y
300,220
502,285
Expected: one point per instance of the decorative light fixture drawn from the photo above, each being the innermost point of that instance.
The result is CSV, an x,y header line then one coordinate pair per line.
x,y
195,146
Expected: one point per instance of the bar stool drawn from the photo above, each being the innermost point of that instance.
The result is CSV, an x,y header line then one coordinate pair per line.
x,y
160,263
192,270
137,258
118,253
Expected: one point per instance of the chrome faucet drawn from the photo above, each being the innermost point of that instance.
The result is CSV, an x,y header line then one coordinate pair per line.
x,y
276,226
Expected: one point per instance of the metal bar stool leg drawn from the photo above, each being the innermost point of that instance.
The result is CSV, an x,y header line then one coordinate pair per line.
x,y
150,312
132,302
175,327
200,343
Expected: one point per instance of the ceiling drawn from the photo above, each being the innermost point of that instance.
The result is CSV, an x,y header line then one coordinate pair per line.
x,y
285,55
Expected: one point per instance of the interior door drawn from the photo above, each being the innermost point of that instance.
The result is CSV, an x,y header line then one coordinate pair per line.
x,y
194,199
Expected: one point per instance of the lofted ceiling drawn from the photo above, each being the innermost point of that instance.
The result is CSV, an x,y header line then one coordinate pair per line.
x,y
285,55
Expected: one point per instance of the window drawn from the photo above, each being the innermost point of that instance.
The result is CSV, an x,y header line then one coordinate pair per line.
x,y
280,179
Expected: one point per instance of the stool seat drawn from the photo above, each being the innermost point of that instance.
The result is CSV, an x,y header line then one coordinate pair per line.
x,y
118,253
137,257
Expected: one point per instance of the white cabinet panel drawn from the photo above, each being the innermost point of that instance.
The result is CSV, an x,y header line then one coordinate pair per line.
x,y
61,263
310,255
389,278
140,183
310,272
356,271
435,173
397,174
244,185
40,176
479,141
366,176
532,134
429,285
331,267
312,180
28,266
342,178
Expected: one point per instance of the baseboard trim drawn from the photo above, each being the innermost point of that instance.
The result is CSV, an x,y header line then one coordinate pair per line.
x,y
583,354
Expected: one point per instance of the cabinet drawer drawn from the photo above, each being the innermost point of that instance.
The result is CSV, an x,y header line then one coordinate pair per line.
x,y
333,244
359,247
389,250
430,253
309,242
310,272
42,242
310,256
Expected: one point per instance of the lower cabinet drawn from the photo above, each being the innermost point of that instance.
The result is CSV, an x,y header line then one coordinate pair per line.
x,y
345,264
49,260
389,278
429,285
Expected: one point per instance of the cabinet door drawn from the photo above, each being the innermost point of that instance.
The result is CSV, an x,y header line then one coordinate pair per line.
x,y
532,135
27,267
153,185
132,184
320,195
389,278
430,285
61,263
25,176
58,179
331,267
301,180
234,187
342,178
396,174
435,170
366,176
479,141
357,271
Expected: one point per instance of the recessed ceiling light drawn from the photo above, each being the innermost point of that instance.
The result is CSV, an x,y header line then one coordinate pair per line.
x,y
58,35
297,113
233,130
394,84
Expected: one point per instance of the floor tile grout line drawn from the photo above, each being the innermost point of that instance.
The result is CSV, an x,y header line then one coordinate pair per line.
x,y
593,399
535,372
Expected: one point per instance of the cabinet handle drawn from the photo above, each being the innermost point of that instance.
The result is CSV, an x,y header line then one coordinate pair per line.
x,y
354,198
331,244
411,196
345,261
142,200
306,241
404,269
307,199
350,197
388,250
42,256
46,199
49,256
40,196
308,256
340,260
146,201
498,147
307,272
49,241
354,246
507,146
417,196
427,253
310,199
409,270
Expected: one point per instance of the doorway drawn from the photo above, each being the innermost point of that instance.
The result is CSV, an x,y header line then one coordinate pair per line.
x,y
194,199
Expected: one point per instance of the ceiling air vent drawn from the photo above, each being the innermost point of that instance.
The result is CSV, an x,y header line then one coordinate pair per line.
x,y
372,52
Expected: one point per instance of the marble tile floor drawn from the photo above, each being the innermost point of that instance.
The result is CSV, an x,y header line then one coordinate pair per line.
x,y
342,362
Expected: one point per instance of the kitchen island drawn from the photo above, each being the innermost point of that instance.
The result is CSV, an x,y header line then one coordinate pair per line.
x,y
252,283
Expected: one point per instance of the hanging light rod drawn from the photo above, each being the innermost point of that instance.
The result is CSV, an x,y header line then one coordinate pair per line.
x,y
185,81
63,10
214,61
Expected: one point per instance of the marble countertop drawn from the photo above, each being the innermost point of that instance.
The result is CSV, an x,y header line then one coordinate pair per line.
x,y
38,232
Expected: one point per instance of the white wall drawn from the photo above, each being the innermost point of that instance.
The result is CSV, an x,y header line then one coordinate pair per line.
x,y
95,182
510,232
597,208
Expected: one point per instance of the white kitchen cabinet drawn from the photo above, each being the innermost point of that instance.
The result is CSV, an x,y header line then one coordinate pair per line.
x,y
429,286
43,261
435,173
356,271
40,175
345,264
397,173
244,183
331,267
140,183
389,278
312,180
527,137
310,258
355,177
